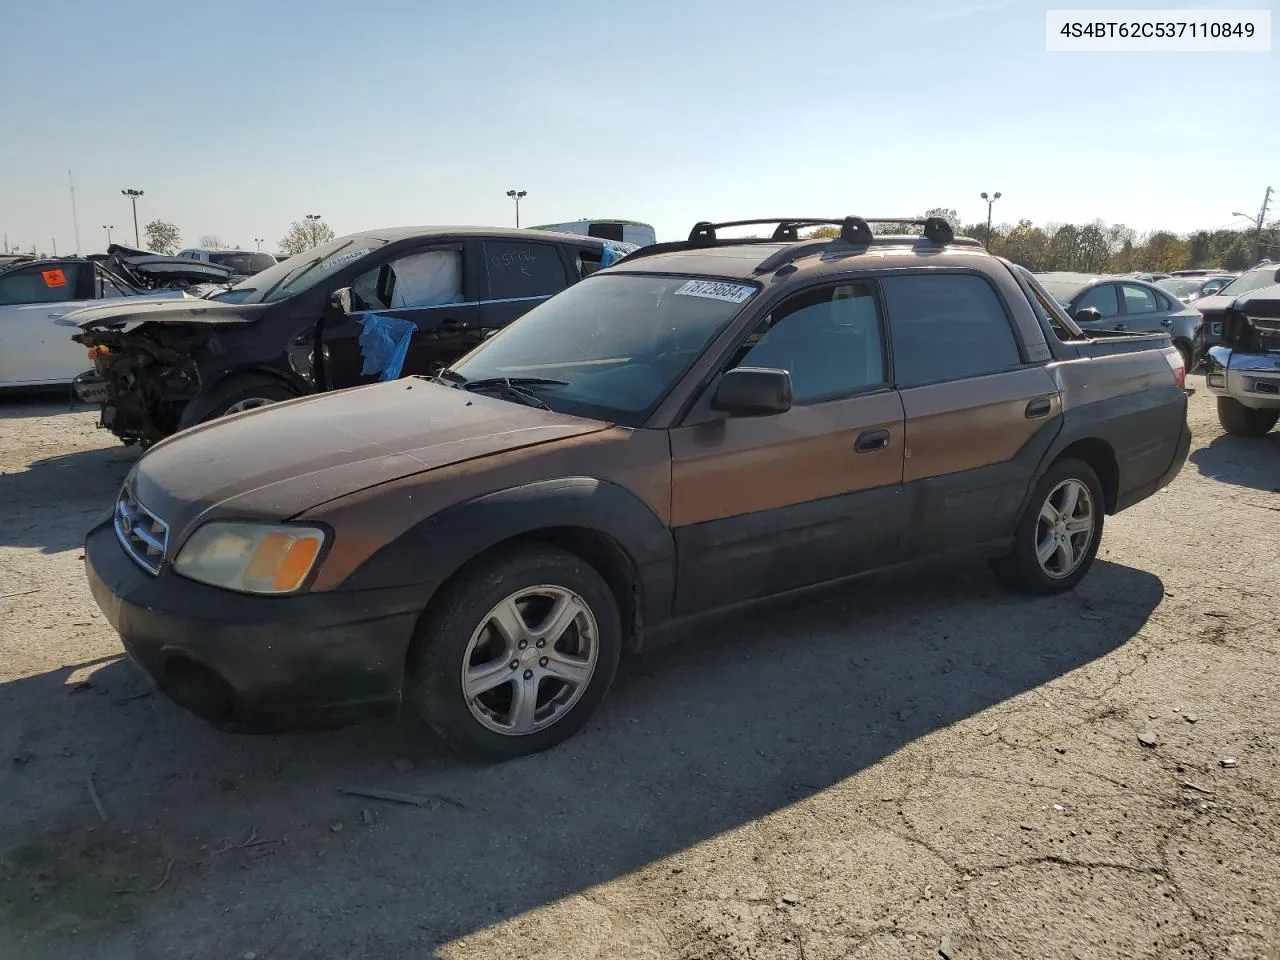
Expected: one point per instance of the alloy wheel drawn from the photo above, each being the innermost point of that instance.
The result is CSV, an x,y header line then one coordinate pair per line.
x,y
530,660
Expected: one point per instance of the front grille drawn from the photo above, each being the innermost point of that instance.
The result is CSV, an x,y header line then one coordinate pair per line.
x,y
142,534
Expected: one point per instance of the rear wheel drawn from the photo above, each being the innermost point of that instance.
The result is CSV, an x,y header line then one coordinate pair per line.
x,y
1242,421
1058,534
517,656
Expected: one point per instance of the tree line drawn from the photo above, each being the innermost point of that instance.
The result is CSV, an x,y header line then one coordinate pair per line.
x,y
1101,248
165,237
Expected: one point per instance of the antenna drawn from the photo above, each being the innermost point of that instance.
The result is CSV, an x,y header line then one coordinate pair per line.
x,y
75,219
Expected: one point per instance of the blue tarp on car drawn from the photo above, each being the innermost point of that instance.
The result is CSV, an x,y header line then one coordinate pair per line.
x,y
384,345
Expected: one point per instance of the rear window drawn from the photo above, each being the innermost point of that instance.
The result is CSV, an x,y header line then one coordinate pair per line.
x,y
243,263
947,327
518,270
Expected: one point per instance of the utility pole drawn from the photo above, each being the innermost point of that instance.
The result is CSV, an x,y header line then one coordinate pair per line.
x,y
1257,224
108,229
54,241
74,218
258,241
517,196
133,196
990,203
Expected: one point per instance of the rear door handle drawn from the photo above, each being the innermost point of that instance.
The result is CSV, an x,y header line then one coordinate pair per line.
x,y
871,440
1039,407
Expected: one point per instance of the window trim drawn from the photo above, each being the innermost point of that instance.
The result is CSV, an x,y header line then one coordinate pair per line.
x,y
1023,361
80,285
486,292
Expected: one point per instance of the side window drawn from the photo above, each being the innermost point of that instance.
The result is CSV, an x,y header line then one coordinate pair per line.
x,y
828,339
1102,298
1138,299
523,269
42,283
587,262
427,278
947,327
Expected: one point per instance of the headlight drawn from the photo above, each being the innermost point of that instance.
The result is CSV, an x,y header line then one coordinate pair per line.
x,y
251,557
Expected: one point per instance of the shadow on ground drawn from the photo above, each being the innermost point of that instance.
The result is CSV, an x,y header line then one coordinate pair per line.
x,y
83,485
1243,461
218,841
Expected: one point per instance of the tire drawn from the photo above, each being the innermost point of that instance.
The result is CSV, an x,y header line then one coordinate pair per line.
x,y
1241,421
1022,567
458,631
232,396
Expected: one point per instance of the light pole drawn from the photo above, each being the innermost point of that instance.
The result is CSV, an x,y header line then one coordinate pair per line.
x,y
259,241
108,229
990,202
517,196
1257,224
133,196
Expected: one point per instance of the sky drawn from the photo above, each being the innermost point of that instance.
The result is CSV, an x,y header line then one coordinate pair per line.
x,y
237,117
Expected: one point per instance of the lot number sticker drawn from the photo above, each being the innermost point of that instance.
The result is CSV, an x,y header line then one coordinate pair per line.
x,y
715,290
54,278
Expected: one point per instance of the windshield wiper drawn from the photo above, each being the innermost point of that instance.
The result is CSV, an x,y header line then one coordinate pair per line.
x,y
446,375
509,388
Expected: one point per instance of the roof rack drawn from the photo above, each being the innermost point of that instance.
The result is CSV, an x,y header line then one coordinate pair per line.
x,y
854,232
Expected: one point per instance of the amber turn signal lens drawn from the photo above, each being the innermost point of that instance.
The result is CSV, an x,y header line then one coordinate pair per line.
x,y
283,560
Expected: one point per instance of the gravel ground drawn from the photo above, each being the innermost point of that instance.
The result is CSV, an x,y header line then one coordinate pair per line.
x,y
908,765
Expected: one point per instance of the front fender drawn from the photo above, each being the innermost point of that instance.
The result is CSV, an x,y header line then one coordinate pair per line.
x,y
433,550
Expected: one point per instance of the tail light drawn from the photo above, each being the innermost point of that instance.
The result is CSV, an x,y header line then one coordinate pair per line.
x,y
1179,368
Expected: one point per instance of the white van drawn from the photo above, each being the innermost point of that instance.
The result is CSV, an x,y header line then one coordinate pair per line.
x,y
621,231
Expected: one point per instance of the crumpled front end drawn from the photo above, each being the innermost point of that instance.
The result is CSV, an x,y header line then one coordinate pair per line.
x,y
142,379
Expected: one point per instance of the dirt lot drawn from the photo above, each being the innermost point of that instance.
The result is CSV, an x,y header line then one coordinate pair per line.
x,y
908,764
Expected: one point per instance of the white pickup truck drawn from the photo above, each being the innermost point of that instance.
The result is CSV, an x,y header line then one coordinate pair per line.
x,y
1244,370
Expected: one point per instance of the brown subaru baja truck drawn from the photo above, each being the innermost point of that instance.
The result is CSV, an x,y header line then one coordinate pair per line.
x,y
698,427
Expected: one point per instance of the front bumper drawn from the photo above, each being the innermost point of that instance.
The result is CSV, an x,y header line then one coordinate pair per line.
x,y
91,388
1251,379
251,663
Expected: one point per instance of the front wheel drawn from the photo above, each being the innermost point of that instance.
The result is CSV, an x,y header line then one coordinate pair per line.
x,y
1058,534
1242,421
517,656
235,395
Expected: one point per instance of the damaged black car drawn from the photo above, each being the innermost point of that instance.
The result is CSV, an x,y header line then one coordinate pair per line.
x,y
364,307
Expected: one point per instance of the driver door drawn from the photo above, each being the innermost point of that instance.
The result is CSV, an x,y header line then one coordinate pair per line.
x,y
766,504
427,286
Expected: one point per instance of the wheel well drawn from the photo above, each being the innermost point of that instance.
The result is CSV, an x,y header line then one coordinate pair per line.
x,y
252,373
1099,455
600,550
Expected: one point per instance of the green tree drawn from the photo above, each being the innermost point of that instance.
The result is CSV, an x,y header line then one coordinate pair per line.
x,y
162,237
305,234
1026,245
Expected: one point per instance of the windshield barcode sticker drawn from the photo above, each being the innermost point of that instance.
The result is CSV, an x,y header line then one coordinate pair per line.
x,y
716,290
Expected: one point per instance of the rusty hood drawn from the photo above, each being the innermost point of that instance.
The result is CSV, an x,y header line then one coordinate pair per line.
x,y
275,462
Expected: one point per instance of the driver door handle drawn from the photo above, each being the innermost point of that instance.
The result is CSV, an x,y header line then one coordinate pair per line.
x,y
871,440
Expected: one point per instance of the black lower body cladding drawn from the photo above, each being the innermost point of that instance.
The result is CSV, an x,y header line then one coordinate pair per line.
x,y
257,664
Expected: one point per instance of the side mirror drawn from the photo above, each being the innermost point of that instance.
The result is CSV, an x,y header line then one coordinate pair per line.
x,y
341,299
753,392
1087,315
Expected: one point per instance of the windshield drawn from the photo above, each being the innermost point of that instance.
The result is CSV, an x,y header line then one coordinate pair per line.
x,y
243,263
1248,282
1181,287
299,273
614,343
1062,290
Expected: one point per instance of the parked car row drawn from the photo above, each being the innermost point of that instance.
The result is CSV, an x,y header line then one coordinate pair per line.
x,y
698,426
1189,304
